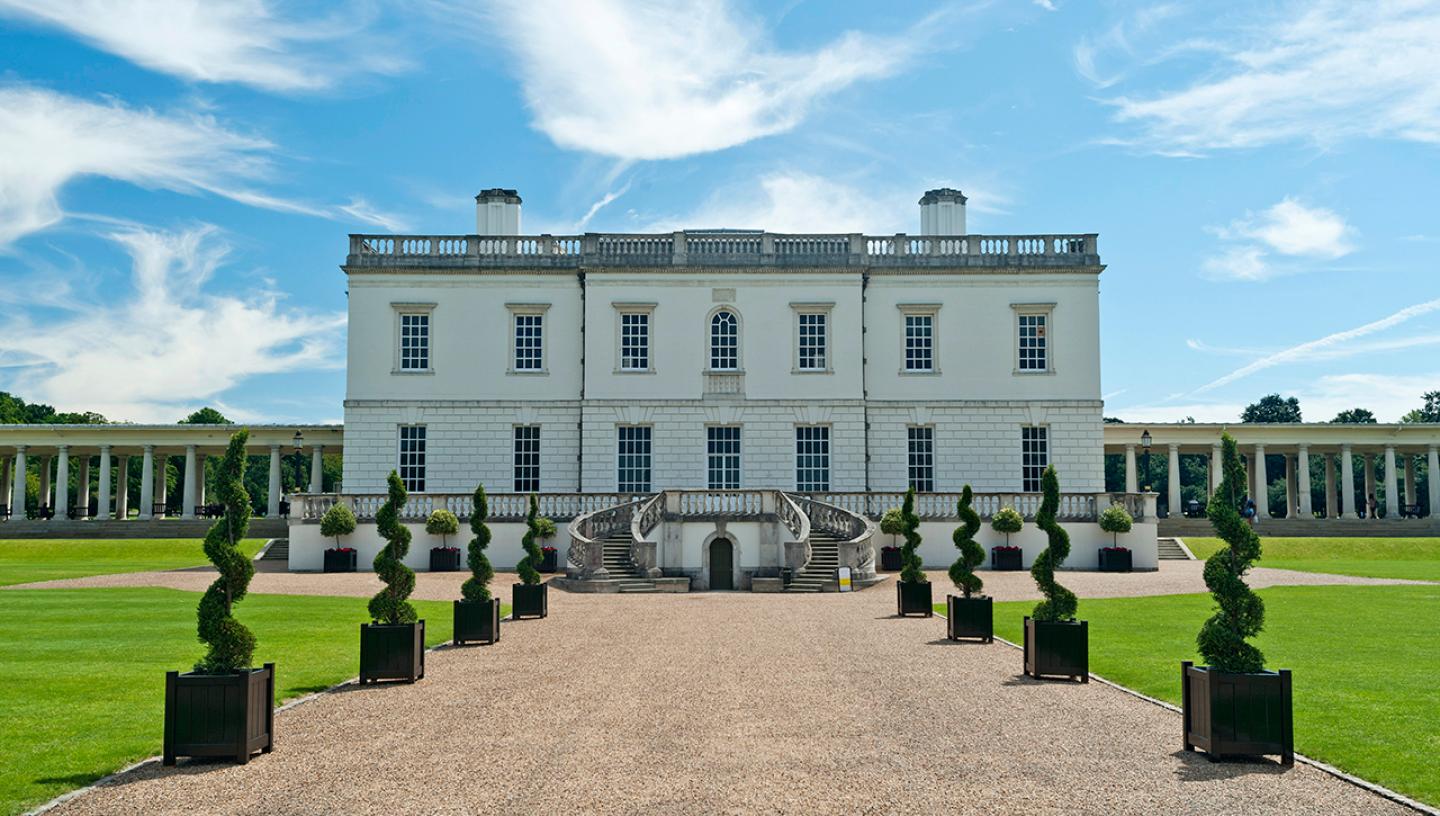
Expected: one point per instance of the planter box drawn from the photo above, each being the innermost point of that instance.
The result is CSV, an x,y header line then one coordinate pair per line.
x,y
1005,559
477,622
913,598
1114,560
219,715
392,651
529,601
549,560
1229,715
340,560
971,617
1057,649
890,559
444,559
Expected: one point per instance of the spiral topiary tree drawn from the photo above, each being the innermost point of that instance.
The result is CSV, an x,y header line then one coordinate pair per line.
x,y
910,562
1241,614
972,555
477,586
444,524
389,604
1060,603
529,566
338,521
230,644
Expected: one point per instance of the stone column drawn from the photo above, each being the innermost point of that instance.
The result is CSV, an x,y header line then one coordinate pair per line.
x,y
45,482
1217,467
1433,459
17,486
1347,482
187,496
162,480
1332,507
317,469
1289,487
1410,497
1262,485
200,476
82,504
272,509
122,489
1392,487
102,500
1131,485
147,484
1307,509
1368,460
62,484
1173,493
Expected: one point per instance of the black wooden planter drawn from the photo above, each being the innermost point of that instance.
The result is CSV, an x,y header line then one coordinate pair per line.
x,y
971,617
530,601
1005,558
392,651
477,621
219,715
444,559
913,598
1114,559
890,559
339,560
548,560
1231,715
1057,649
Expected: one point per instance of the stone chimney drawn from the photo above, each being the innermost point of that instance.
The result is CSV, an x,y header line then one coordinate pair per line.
x,y
497,212
942,212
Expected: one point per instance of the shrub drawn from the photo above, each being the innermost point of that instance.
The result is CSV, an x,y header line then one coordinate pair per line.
x,y
910,563
892,523
389,604
230,644
529,566
1007,520
1059,603
476,587
1241,614
338,521
962,572
444,524
546,527
1116,520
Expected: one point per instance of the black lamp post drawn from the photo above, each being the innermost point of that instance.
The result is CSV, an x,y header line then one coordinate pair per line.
x,y
1145,445
299,459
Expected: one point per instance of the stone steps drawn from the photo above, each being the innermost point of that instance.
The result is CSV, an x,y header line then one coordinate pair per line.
x,y
1170,550
819,572
279,550
1313,527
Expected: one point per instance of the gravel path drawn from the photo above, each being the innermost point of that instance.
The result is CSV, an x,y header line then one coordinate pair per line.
x,y
728,703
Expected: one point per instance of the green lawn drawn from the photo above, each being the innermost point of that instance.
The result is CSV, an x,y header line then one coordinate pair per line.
x,y
26,560
1364,661
83,672
1415,558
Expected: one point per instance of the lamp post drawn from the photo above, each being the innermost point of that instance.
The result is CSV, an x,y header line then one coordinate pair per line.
x,y
1145,446
299,459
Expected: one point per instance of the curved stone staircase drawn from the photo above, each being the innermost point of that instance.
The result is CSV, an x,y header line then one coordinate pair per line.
x,y
818,574
624,573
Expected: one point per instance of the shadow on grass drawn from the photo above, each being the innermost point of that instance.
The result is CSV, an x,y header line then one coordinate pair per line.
x,y
1197,766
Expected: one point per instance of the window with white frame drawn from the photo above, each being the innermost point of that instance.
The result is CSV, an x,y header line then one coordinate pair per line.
x,y
724,341
632,459
813,337
634,341
812,458
1033,348
527,458
722,448
920,342
1034,456
414,341
411,464
529,341
921,458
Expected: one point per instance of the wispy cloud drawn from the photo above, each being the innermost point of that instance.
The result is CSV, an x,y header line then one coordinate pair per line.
x,y
244,41
167,343
1289,228
604,201
1389,396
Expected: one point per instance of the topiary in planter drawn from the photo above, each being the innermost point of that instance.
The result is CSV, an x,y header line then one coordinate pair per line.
x,y
1116,520
477,616
1055,643
1007,520
529,599
892,523
393,647
913,588
968,617
231,645
1241,614
444,524
338,521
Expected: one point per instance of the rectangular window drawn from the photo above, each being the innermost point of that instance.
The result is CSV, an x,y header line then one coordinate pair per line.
x,y
813,338
921,452
634,341
527,458
633,459
1032,347
919,342
812,458
722,445
1034,457
414,341
529,348
412,457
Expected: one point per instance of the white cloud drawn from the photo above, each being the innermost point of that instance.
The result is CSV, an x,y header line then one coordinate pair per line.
x,y
1312,71
242,41
1289,228
800,202
1389,396
167,344
1048,5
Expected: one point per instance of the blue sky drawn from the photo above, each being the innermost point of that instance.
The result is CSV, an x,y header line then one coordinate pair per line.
x,y
177,178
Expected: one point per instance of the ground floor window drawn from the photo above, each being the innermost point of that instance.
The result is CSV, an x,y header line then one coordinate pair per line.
x,y
921,453
633,459
527,458
1034,457
722,445
812,458
411,463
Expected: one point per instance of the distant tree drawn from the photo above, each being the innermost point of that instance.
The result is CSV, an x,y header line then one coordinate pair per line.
x,y
1415,415
16,411
1355,416
1430,412
205,416
1114,421
1272,408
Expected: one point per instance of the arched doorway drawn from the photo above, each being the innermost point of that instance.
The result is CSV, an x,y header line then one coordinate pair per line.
x,y
722,564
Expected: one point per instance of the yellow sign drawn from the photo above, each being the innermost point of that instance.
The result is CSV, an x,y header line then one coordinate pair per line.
x,y
844,575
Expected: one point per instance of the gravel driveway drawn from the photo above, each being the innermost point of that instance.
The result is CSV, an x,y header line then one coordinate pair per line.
x,y
728,703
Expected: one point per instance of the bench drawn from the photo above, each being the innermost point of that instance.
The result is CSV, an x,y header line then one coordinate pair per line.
x,y
1410,511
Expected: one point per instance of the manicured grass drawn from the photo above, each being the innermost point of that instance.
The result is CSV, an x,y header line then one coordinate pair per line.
x,y
1363,657
1414,558
46,559
83,672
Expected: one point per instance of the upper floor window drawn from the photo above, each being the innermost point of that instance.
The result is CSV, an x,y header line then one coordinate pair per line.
x,y
411,462
919,341
812,350
414,341
635,341
724,341
529,323
1034,456
920,455
1032,346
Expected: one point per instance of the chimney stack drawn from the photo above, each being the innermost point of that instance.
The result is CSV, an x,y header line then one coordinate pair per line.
x,y
497,212
942,212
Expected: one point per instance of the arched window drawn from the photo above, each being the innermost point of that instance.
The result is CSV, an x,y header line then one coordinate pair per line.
x,y
724,341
